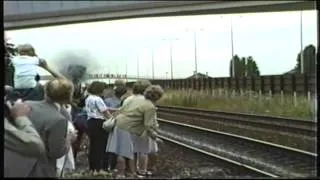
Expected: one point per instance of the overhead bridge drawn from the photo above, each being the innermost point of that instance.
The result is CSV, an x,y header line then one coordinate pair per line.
x,y
29,14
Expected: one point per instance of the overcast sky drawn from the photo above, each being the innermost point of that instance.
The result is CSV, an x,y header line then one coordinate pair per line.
x,y
272,39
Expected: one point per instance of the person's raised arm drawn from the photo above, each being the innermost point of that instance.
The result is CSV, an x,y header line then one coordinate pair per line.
x,y
43,63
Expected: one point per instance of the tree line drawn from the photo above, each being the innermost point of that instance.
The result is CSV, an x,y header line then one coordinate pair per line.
x,y
244,66
247,66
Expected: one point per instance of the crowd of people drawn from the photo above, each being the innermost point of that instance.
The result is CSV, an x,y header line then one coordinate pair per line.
x,y
44,125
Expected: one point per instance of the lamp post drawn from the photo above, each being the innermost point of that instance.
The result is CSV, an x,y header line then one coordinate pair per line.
x,y
301,45
152,63
126,68
117,70
232,52
171,61
195,55
109,74
195,52
232,46
138,67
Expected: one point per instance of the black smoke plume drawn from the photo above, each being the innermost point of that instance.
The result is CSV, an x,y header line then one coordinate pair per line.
x,y
76,72
75,65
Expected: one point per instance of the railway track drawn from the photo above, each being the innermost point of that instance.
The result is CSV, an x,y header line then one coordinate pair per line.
x,y
269,123
250,170
262,157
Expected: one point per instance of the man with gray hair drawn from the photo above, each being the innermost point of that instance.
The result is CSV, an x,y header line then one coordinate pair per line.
x,y
50,118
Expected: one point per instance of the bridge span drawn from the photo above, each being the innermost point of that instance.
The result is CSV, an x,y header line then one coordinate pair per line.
x,y
28,14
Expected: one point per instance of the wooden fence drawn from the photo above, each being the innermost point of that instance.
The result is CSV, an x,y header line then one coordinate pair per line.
x,y
301,84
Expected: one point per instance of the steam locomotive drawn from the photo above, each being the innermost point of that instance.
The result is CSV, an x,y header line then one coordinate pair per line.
x,y
76,74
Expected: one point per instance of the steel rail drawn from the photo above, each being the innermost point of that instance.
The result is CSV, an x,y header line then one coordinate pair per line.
x,y
267,157
293,126
218,157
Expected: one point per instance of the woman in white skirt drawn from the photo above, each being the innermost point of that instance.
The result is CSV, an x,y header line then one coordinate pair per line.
x,y
130,125
113,103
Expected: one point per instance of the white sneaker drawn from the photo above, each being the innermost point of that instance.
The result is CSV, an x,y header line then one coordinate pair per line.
x,y
120,176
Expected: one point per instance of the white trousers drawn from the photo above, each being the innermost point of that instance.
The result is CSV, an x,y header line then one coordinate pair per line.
x,y
67,161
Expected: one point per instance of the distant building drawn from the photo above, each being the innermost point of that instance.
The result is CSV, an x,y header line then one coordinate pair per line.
x,y
293,71
199,75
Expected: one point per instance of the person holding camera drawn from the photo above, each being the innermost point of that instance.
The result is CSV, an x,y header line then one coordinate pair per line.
x,y
23,146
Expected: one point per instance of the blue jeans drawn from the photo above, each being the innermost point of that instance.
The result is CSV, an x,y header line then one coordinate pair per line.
x,y
32,94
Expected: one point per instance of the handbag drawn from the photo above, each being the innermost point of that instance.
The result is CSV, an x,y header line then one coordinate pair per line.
x,y
109,124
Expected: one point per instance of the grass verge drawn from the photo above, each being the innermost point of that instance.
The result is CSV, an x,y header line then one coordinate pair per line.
x,y
247,102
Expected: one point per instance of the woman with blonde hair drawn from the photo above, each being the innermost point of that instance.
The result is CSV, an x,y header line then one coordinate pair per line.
x,y
153,93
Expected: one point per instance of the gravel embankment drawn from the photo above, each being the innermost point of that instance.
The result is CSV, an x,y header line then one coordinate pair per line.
x,y
177,162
